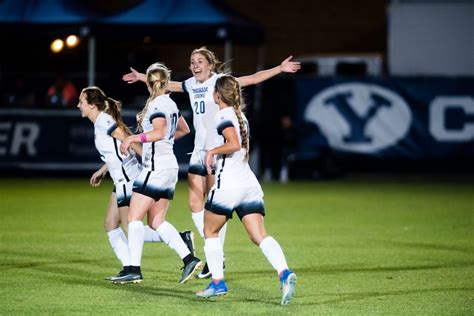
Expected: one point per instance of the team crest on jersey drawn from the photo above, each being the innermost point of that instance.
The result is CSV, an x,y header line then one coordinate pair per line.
x,y
359,117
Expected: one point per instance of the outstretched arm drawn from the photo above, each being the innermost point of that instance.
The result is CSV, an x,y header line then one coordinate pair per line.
x,y
286,66
134,76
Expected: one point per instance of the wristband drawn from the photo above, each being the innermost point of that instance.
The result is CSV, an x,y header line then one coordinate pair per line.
x,y
143,138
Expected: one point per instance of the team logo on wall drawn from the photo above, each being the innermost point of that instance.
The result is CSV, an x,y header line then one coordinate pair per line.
x,y
359,117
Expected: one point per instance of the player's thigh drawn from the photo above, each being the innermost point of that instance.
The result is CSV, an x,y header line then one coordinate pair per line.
x,y
196,191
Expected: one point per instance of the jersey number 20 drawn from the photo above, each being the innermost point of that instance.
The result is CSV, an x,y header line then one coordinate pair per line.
x,y
199,107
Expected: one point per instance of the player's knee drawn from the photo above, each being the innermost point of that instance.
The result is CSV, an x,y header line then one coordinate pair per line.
x,y
196,205
210,232
257,238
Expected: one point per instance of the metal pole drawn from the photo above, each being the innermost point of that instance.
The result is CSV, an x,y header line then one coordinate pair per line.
x,y
91,62
228,53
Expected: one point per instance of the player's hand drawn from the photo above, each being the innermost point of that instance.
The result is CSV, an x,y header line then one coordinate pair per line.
x,y
96,178
125,146
134,76
290,66
210,163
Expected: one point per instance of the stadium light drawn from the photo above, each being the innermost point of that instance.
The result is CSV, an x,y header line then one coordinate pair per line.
x,y
72,41
57,46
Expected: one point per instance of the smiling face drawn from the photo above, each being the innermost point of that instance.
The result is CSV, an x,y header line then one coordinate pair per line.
x,y
84,106
200,67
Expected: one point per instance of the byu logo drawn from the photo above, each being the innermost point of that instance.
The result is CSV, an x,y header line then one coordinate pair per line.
x,y
359,117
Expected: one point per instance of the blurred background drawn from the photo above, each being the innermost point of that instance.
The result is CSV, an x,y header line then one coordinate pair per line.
x,y
385,86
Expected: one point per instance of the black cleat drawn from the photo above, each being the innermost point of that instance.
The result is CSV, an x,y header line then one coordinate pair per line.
x,y
133,275
188,238
190,270
123,272
205,273
130,277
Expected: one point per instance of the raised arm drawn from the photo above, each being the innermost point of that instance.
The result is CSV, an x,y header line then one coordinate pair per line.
x,y
134,76
286,66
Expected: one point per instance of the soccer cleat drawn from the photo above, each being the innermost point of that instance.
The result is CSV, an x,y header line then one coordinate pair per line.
x,y
188,238
213,289
190,270
288,284
134,275
205,273
124,271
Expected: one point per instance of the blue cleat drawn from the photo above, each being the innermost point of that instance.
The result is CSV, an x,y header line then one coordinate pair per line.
x,y
288,284
213,289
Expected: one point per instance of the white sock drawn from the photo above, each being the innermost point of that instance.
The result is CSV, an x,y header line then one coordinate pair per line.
x,y
214,257
119,244
171,237
272,250
198,219
135,242
222,234
151,235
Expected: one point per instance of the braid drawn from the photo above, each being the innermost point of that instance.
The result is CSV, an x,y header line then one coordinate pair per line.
x,y
229,89
238,113
243,130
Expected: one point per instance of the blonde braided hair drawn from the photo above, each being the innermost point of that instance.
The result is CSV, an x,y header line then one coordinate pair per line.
x,y
229,89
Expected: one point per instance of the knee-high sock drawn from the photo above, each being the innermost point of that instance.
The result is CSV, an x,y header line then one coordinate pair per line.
x,y
198,219
151,235
171,237
119,244
272,250
135,242
222,234
214,257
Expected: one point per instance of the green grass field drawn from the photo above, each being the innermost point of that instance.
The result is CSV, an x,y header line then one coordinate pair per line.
x,y
358,246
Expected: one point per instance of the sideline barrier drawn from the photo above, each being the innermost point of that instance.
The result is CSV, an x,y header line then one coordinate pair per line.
x,y
56,140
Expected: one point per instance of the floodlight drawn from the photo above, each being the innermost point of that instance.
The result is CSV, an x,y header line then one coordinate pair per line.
x,y
57,45
72,41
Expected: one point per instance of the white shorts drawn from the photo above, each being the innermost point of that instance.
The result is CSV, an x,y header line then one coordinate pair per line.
x,y
243,201
124,193
157,184
197,163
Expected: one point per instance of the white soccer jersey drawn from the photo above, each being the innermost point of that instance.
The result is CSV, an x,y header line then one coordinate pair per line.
x,y
231,170
159,155
121,169
203,106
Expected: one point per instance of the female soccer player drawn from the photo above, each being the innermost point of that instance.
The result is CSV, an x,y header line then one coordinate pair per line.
x,y
161,123
205,68
236,189
109,131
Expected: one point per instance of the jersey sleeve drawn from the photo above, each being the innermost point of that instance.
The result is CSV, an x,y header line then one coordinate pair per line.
x,y
222,122
106,124
156,111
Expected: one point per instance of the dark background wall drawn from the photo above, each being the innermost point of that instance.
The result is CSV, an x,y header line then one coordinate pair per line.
x,y
301,27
